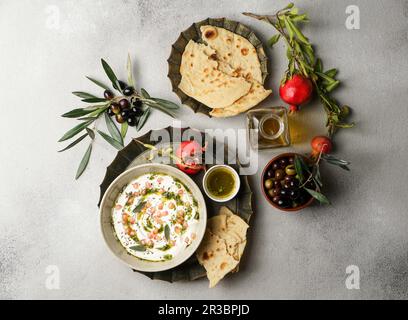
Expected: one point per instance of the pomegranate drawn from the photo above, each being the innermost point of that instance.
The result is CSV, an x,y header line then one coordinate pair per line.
x,y
189,155
321,144
296,91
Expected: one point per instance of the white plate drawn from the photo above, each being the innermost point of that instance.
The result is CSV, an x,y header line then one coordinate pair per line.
x,y
108,232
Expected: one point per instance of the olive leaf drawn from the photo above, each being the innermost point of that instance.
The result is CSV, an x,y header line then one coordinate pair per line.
x,y
144,94
74,143
298,168
74,131
331,73
138,247
272,41
94,100
111,75
77,113
159,107
84,162
337,162
98,83
113,130
129,68
124,129
91,133
332,86
84,95
167,232
110,140
143,119
165,103
318,196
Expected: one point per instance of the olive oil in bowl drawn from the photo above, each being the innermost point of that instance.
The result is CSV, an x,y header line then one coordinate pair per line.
x,y
221,183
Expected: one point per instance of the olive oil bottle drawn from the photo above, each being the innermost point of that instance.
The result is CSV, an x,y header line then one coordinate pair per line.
x,y
268,128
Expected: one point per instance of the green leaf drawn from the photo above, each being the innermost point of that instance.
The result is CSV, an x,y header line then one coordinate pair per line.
x,y
91,133
84,162
129,68
298,33
345,125
77,113
308,50
289,27
167,232
139,207
331,73
124,129
84,95
318,196
289,6
144,94
110,140
113,130
94,100
111,75
300,18
332,86
325,77
143,119
298,168
139,247
160,108
165,103
334,161
74,143
316,176
272,41
98,83
319,65
75,130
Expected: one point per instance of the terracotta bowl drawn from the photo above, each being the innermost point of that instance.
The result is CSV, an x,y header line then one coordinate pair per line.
x,y
264,177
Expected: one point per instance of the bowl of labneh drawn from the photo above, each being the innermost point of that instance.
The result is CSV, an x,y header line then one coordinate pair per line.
x,y
153,217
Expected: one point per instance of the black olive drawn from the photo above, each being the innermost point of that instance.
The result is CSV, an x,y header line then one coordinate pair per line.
x,y
277,184
269,174
132,121
125,114
291,160
284,192
276,199
283,163
124,104
128,91
108,95
294,183
284,203
286,185
289,178
275,166
137,112
138,103
122,85
115,108
294,194
110,112
119,118
279,174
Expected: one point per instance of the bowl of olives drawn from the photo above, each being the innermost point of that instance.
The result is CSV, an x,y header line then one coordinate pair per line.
x,y
281,186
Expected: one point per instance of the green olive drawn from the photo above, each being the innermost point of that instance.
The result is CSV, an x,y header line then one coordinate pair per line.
x,y
269,184
290,170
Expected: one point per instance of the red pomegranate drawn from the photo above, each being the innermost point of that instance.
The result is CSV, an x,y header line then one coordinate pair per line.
x,y
189,155
296,91
321,144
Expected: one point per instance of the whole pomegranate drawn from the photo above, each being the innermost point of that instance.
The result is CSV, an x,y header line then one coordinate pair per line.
x,y
189,154
321,144
296,91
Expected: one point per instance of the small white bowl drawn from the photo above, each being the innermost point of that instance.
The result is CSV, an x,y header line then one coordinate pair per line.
x,y
236,178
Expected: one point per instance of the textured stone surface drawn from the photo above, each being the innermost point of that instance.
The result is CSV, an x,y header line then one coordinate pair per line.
x,y
49,219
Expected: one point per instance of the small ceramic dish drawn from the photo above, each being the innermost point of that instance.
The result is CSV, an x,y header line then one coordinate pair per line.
x,y
264,177
108,231
221,183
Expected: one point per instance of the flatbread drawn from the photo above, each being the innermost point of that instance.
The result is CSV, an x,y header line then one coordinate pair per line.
x,y
237,56
256,94
223,245
202,80
212,254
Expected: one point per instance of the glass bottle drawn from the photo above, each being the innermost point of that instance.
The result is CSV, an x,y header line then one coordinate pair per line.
x,y
268,128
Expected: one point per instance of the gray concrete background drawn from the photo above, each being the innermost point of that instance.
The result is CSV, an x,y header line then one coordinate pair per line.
x,y
47,218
